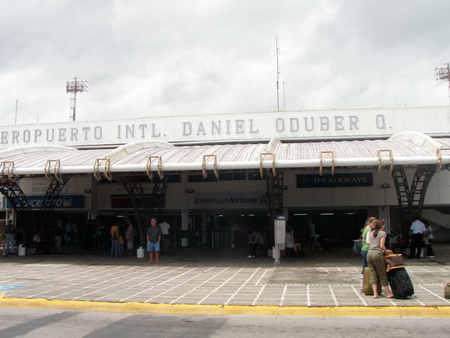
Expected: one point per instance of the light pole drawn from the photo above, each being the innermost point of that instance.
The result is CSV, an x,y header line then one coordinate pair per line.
x,y
75,86
443,74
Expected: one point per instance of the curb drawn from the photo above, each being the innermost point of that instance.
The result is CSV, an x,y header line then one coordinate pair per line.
x,y
222,310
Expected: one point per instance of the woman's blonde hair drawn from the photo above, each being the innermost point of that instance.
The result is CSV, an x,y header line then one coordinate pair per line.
x,y
370,219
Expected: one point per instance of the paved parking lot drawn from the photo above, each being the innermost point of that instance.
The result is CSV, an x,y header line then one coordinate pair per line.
x,y
193,276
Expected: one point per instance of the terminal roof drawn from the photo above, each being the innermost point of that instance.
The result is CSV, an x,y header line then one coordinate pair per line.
x,y
407,149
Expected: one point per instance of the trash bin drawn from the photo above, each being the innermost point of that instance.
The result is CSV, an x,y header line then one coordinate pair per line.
x,y
184,242
22,250
140,252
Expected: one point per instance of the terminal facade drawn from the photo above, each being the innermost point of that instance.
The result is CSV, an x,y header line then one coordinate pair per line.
x,y
207,174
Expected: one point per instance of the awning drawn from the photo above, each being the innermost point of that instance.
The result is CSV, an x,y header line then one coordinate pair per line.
x,y
406,149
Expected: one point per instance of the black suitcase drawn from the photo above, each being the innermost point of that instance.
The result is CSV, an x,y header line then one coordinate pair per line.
x,y
430,251
400,282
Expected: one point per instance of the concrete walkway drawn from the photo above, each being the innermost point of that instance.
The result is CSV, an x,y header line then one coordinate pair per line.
x,y
199,277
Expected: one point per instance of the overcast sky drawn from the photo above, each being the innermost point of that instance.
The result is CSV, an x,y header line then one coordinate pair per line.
x,y
153,58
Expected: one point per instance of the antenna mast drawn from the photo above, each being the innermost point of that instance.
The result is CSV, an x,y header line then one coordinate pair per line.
x,y
278,77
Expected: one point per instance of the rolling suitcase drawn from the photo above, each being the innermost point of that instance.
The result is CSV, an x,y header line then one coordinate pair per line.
x,y
400,282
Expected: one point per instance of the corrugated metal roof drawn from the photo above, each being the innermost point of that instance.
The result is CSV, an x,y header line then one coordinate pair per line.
x,y
414,147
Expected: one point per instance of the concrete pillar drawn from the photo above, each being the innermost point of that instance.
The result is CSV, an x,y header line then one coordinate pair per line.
x,y
93,208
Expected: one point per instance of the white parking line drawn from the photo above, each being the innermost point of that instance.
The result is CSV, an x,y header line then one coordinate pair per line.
x,y
206,281
134,285
161,283
283,295
262,276
221,285
259,295
445,300
418,300
308,296
333,295
359,296
177,286
111,285
246,282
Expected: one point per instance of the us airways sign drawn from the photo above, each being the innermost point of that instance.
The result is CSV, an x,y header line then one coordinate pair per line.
x,y
300,125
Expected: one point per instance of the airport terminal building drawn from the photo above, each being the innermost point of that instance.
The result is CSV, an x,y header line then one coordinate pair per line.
x,y
205,174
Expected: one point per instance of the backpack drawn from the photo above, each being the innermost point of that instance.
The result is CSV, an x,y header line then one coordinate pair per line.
x,y
114,236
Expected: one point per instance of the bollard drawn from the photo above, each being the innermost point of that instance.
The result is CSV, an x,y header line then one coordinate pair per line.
x,y
447,291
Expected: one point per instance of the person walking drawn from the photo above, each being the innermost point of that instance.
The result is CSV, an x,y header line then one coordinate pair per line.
x,y
312,238
59,231
375,258
165,238
368,226
114,232
429,240
10,236
68,234
3,236
129,236
153,241
418,231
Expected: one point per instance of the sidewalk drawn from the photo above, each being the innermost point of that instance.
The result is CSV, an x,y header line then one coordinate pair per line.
x,y
197,278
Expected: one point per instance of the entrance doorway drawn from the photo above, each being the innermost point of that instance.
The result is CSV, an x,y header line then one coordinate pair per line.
x,y
335,227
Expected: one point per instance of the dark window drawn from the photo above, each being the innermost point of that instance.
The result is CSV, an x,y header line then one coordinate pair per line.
x,y
195,178
211,178
239,176
225,177
252,176
173,178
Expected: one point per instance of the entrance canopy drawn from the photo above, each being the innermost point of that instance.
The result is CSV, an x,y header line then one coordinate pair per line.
x,y
406,149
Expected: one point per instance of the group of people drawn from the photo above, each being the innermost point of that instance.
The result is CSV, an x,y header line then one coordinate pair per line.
x,y
373,250
294,248
118,240
421,236
7,236
157,235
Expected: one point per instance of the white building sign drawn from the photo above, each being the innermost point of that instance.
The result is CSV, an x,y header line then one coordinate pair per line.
x,y
232,200
299,125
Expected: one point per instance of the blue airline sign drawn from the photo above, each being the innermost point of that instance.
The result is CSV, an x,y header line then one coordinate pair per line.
x,y
62,202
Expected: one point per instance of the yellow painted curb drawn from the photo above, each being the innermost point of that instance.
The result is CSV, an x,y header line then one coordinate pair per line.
x,y
221,310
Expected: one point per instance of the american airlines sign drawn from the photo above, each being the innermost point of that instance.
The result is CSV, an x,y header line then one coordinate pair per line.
x,y
299,125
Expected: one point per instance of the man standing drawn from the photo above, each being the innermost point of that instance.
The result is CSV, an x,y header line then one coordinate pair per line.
x,y
417,232
10,235
153,241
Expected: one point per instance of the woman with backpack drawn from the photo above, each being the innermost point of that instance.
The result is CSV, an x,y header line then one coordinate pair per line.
x,y
114,240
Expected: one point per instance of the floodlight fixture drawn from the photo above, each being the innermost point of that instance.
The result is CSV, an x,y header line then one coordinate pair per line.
x,y
443,73
73,87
